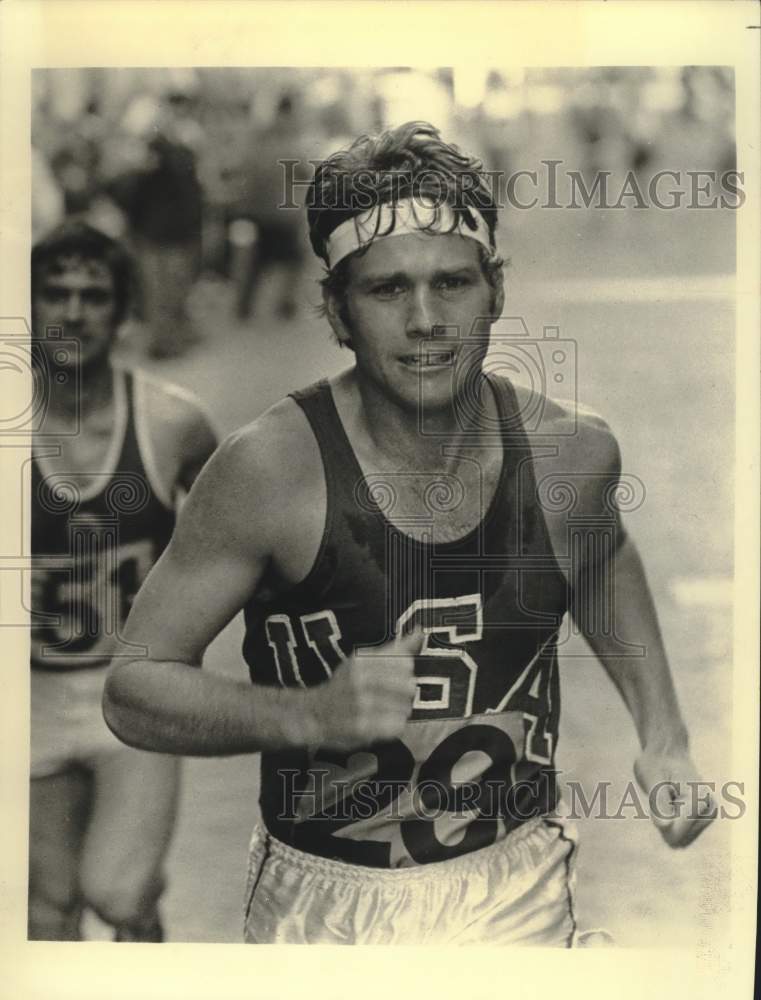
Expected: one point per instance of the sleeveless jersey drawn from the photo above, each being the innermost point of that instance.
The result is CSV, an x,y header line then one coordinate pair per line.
x,y
475,759
92,547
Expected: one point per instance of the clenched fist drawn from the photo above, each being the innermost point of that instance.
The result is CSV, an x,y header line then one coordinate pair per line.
x,y
369,697
678,809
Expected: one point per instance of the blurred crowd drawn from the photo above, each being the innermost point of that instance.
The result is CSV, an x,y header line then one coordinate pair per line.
x,y
185,164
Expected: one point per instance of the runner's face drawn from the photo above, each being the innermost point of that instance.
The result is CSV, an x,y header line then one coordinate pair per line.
x,y
399,293
78,298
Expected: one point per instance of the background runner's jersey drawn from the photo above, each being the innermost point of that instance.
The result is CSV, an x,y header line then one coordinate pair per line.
x,y
93,547
476,758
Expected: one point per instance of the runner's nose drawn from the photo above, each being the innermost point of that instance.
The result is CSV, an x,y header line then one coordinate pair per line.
x,y
419,316
74,308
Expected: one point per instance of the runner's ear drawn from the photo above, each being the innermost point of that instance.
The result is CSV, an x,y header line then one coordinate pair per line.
x,y
336,317
498,303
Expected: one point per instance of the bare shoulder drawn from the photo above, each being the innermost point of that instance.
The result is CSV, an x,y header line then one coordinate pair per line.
x,y
577,467
275,451
576,455
174,409
175,432
267,472
261,497
581,438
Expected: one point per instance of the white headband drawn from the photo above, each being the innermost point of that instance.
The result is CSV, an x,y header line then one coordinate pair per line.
x,y
410,215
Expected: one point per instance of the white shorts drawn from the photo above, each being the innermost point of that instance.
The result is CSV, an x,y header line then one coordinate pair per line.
x,y
67,721
516,892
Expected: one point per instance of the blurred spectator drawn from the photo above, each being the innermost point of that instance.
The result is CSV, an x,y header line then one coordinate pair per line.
x,y
162,199
47,196
264,236
596,122
227,126
174,161
72,151
708,110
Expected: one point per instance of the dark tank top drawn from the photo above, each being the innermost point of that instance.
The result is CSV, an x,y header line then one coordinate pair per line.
x,y
476,758
92,547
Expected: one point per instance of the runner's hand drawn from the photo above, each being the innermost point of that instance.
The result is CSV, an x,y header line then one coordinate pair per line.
x,y
680,804
369,697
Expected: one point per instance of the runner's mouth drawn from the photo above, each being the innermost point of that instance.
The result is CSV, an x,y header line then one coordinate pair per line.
x,y
429,359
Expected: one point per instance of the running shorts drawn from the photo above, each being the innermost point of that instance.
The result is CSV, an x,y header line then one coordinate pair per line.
x,y
516,892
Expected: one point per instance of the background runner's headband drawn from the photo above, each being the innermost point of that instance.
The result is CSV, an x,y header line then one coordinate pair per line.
x,y
411,215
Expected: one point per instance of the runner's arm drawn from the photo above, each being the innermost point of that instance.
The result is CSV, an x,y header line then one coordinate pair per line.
x,y
632,649
199,442
614,589
222,545
182,437
211,567
664,769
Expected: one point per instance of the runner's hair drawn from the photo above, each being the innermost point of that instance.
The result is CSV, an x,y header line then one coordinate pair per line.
x,y
74,240
409,161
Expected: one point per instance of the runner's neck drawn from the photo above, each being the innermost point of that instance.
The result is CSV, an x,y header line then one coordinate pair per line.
x,y
77,398
393,434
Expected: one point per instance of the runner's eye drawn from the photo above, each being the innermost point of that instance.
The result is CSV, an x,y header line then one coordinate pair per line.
x,y
54,296
454,282
387,289
96,297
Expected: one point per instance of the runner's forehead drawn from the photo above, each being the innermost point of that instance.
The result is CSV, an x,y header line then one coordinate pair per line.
x,y
68,266
416,252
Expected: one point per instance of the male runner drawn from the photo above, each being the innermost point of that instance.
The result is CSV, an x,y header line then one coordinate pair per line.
x,y
114,455
403,590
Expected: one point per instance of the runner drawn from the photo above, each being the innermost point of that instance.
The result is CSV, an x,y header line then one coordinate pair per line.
x,y
403,585
115,455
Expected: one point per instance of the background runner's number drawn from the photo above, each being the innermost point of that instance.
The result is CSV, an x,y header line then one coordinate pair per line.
x,y
85,607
